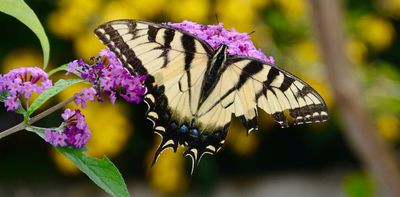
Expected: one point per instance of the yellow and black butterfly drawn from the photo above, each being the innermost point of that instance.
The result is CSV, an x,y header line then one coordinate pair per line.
x,y
193,90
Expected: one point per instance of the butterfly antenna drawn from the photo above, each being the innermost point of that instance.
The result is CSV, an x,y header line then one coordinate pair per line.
x,y
216,18
252,32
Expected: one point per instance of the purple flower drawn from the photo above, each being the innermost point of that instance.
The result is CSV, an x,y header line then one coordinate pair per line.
x,y
75,132
23,82
109,78
59,139
216,35
67,114
12,103
112,58
55,138
81,139
87,94
48,135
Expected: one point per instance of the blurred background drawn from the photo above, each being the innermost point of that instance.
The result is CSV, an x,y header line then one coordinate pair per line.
x,y
306,160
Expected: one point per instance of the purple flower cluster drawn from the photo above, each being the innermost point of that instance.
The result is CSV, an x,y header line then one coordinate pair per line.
x,y
216,35
87,94
75,132
23,82
109,77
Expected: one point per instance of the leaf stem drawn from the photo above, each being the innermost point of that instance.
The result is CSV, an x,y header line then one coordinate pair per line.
x,y
63,67
21,126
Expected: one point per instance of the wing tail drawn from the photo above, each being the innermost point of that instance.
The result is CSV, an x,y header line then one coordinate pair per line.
x,y
205,144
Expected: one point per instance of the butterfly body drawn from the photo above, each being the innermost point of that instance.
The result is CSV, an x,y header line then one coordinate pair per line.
x,y
193,89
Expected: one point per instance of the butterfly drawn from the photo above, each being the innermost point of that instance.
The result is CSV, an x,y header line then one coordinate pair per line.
x,y
193,89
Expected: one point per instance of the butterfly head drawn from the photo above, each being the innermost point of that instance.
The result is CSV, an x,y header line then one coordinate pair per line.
x,y
220,55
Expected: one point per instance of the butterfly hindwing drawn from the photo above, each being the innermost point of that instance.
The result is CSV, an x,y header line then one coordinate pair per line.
x,y
274,90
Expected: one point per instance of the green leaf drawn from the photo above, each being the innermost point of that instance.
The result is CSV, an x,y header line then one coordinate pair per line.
x,y
3,96
20,110
59,86
38,130
63,67
358,184
21,11
101,171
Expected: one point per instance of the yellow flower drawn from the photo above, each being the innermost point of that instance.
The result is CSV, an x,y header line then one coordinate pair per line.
x,y
168,174
193,10
239,141
356,51
109,124
260,3
305,53
87,45
59,23
146,8
242,22
119,10
388,126
72,17
110,128
24,57
376,31
293,10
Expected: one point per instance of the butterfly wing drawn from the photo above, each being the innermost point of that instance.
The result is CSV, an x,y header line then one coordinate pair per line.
x,y
176,63
248,84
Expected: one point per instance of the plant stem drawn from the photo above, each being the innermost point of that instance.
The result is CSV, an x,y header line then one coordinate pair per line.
x,y
14,129
360,133
50,110
21,126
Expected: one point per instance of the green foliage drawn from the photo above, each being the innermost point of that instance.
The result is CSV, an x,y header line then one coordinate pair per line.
x,y
20,110
21,11
63,67
101,171
3,96
358,184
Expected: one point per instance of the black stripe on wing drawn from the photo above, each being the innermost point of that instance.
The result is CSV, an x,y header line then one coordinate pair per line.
x,y
280,91
123,37
114,41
